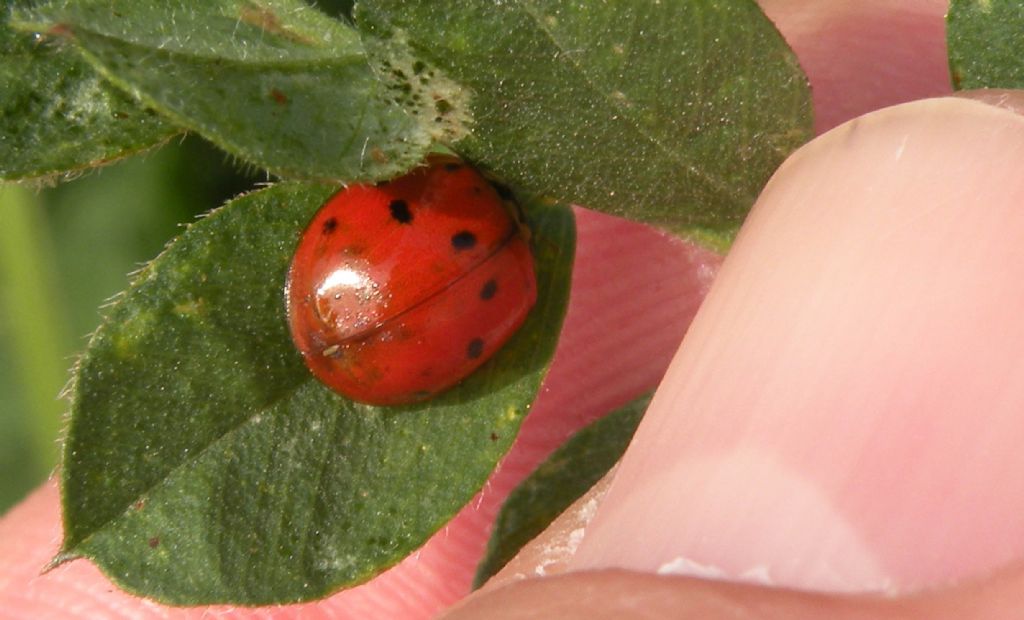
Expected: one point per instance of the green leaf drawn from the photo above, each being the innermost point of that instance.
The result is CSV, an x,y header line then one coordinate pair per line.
x,y
205,464
674,113
57,115
560,480
986,49
274,82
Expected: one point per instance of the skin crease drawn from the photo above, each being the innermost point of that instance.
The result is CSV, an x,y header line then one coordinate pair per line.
x,y
604,314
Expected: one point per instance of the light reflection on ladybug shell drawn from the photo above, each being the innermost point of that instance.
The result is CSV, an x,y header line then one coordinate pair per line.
x,y
400,290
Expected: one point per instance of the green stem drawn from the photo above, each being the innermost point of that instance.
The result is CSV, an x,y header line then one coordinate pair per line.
x,y
29,301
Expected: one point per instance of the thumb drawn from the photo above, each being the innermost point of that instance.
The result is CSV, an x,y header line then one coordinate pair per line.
x,y
843,414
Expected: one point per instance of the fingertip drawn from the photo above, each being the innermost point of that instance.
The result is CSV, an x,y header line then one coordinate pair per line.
x,y
845,402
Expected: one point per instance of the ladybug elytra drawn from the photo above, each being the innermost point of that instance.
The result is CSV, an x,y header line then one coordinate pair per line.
x,y
398,291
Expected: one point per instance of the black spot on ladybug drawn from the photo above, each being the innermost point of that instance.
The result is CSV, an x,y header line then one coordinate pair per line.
x,y
153,542
400,211
503,191
475,348
489,289
463,240
452,166
330,225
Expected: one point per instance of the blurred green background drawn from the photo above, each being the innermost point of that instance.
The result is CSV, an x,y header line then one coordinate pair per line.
x,y
66,251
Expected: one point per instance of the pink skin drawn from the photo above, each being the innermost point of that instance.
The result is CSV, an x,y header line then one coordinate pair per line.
x,y
620,334
862,55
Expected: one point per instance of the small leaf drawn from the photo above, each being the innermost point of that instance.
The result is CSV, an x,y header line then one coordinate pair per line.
x,y
205,464
559,481
57,115
275,82
985,46
674,113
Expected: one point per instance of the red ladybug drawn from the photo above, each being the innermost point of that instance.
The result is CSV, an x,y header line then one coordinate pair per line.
x,y
400,290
